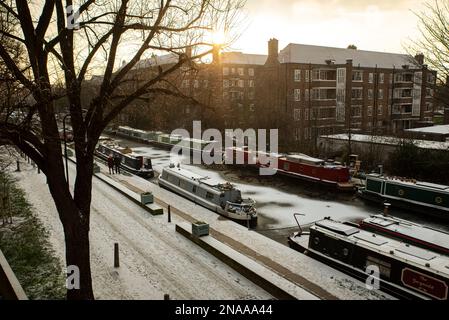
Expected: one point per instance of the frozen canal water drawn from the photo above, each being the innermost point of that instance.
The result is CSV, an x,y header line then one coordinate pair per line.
x,y
278,197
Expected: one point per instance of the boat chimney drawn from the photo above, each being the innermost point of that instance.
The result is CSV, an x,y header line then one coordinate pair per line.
x,y
381,170
386,209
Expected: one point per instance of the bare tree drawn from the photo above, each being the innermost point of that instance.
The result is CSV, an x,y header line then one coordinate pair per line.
x,y
434,43
65,49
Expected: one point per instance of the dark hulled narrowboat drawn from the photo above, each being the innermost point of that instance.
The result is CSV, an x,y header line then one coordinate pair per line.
x,y
406,271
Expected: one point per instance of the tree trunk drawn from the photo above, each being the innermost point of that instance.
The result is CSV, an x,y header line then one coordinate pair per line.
x,y
78,254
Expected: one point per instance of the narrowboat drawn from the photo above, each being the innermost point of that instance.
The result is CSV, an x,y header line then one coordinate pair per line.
x,y
403,270
423,197
134,164
410,232
299,166
219,196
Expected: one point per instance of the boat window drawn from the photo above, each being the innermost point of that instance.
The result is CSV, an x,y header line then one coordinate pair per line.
x,y
371,238
194,189
337,227
417,252
209,196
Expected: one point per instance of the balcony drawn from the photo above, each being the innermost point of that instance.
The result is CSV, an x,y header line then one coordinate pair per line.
x,y
10,288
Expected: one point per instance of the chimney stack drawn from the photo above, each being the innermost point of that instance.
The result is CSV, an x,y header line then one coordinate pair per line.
x,y
420,58
216,53
273,50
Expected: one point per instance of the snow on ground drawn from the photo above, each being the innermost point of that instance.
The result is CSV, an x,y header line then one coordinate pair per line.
x,y
275,207
328,278
155,260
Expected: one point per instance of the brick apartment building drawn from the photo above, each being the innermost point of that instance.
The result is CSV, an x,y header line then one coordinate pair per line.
x,y
305,91
308,91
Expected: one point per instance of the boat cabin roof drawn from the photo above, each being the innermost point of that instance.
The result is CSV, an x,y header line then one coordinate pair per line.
x,y
304,158
424,259
189,175
411,230
424,185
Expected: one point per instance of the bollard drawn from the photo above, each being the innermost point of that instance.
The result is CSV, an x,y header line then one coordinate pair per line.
x,y
18,166
386,209
166,297
116,256
169,214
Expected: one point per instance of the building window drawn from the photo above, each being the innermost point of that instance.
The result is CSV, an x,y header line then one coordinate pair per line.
x,y
241,84
429,92
381,94
297,134
356,111
381,78
297,75
396,109
380,110
251,83
357,93
371,77
206,83
185,84
297,114
306,95
357,76
430,78
251,72
307,76
370,94
225,71
251,95
369,111
196,84
429,106
241,71
306,114
297,94
252,107
380,124
225,83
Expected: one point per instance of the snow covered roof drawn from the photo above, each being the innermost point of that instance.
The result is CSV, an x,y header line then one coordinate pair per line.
x,y
166,59
302,53
243,58
423,144
443,129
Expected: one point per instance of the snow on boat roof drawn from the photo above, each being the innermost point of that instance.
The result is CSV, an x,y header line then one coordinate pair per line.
x,y
410,182
304,157
411,230
194,176
442,129
425,259
423,144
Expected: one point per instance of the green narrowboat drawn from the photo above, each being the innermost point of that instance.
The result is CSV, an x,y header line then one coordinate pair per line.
x,y
413,195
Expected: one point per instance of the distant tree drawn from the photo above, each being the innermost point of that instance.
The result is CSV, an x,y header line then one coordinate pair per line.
x,y
62,49
434,43
352,46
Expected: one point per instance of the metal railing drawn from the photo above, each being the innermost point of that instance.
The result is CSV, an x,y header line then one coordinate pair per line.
x,y
10,288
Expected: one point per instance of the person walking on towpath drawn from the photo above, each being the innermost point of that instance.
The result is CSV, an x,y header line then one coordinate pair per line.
x,y
111,165
117,162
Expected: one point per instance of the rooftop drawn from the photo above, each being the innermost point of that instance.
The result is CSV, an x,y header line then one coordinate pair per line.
x,y
364,138
243,58
442,129
302,53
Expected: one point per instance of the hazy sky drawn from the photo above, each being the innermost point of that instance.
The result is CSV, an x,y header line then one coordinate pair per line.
x,y
379,25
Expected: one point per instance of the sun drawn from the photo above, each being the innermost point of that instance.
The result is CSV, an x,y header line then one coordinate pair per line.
x,y
218,37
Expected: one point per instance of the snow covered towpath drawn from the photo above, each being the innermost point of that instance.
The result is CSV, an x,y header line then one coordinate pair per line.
x,y
154,259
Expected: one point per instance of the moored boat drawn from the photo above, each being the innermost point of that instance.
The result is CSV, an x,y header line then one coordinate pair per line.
x,y
413,233
403,270
130,162
219,196
424,197
299,166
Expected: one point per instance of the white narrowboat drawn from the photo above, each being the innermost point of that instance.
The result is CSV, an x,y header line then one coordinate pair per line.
x,y
219,196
